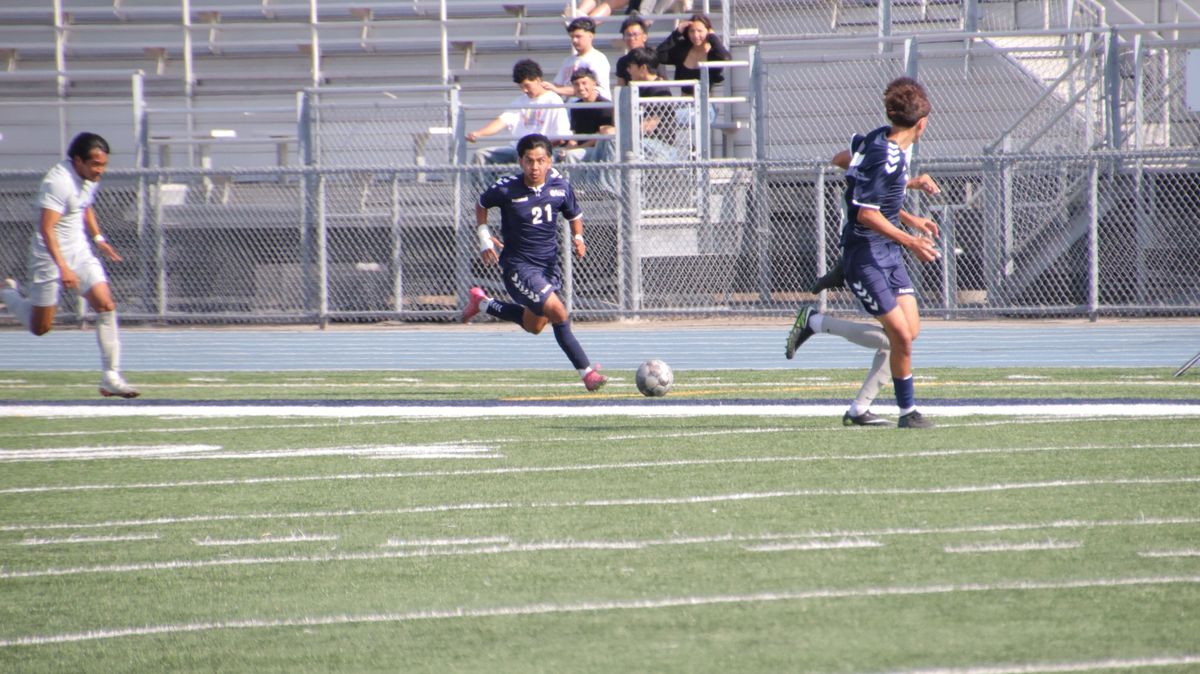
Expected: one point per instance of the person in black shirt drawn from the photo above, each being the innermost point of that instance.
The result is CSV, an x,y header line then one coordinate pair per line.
x,y
690,44
589,121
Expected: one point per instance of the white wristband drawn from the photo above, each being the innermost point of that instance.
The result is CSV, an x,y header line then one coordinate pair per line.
x,y
485,238
99,238
578,237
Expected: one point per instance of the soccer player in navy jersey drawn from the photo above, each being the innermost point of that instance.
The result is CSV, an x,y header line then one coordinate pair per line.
x,y
529,203
872,238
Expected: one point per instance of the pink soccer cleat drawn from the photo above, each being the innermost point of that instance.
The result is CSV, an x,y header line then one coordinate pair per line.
x,y
475,299
594,381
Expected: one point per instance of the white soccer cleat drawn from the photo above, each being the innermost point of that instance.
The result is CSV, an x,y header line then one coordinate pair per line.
x,y
112,384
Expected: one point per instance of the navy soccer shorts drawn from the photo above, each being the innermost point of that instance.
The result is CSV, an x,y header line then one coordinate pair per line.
x,y
876,284
530,285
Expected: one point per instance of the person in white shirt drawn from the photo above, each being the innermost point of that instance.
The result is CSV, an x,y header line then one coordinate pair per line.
x,y
583,33
527,117
59,253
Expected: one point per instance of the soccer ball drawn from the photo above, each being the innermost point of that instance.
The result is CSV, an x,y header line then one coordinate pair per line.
x,y
654,378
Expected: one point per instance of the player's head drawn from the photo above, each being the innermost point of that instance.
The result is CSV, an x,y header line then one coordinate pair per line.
x,y
582,32
644,61
698,28
634,31
584,81
907,104
89,155
535,154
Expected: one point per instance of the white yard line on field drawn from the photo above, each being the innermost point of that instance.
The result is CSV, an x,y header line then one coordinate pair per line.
x,y
265,540
1187,552
87,539
99,453
1055,667
464,612
627,465
814,545
1011,547
640,409
434,542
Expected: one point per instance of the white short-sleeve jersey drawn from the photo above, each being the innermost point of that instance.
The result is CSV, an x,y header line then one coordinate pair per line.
x,y
594,59
62,190
550,122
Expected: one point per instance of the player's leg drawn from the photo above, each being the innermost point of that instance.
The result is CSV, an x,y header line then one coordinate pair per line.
x,y
809,322
554,310
478,300
98,293
860,413
35,319
902,325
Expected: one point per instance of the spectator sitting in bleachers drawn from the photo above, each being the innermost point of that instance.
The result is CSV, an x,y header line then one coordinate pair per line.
x,y
583,32
634,31
690,44
657,133
607,7
589,121
523,119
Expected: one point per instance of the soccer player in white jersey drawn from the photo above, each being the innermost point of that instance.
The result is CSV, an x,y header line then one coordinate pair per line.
x,y
872,240
529,204
59,253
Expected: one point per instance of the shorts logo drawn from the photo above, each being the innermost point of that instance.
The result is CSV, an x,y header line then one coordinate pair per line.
x,y
906,291
865,297
529,294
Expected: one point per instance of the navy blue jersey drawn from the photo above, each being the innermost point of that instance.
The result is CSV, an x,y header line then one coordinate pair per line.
x,y
876,179
528,221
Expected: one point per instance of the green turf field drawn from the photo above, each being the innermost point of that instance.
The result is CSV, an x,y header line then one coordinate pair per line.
x,y
610,543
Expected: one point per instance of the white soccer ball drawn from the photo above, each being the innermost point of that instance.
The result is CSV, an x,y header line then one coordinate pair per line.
x,y
654,378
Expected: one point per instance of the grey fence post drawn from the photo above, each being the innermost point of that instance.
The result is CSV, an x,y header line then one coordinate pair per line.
x,y
760,203
397,252
949,263
820,232
1112,81
1138,91
625,119
310,202
1093,254
885,25
971,16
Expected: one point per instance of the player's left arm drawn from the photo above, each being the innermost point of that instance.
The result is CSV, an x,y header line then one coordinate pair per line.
x,y
574,216
925,183
577,236
93,230
919,223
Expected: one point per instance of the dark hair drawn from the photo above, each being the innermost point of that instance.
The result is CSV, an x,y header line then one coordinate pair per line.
x,y
634,21
905,102
532,141
83,144
584,72
526,70
643,56
702,18
582,23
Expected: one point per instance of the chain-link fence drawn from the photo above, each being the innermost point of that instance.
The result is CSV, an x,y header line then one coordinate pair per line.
x,y
1072,235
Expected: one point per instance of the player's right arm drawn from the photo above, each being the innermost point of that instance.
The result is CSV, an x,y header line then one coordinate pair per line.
x,y
920,246
487,242
50,218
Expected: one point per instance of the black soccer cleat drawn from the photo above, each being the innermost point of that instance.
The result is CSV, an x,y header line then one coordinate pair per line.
x,y
914,420
800,331
864,419
834,278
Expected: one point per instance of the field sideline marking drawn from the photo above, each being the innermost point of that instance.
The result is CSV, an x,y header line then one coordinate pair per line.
x,y
972,548
265,540
801,546
1054,667
630,465
612,605
98,453
87,539
636,502
496,545
635,409
1189,552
